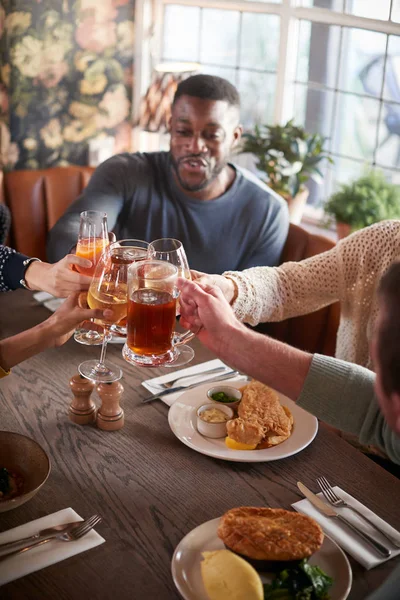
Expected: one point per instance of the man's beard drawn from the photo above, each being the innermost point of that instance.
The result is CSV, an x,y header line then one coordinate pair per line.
x,y
203,184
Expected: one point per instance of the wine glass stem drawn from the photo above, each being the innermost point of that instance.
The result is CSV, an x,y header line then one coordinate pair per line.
x,y
102,359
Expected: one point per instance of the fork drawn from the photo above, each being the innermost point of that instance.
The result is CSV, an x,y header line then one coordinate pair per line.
x,y
169,384
69,536
337,501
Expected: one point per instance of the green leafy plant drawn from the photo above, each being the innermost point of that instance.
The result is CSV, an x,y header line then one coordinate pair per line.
x,y
367,200
288,155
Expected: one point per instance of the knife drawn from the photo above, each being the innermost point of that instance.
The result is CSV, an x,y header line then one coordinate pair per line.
x,y
227,375
328,511
37,538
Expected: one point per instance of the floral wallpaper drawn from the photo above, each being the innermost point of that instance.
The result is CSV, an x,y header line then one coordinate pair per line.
x,y
66,78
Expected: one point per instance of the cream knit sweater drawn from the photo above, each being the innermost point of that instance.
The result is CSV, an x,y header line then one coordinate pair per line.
x,y
349,272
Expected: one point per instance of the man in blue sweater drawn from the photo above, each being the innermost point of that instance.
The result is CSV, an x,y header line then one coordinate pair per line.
x,y
225,217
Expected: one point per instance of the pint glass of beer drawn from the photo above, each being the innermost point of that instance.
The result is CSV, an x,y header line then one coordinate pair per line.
x,y
152,297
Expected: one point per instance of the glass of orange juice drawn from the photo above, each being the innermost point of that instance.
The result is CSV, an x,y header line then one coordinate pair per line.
x,y
93,239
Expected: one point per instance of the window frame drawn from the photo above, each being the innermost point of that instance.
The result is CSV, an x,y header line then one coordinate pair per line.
x,y
149,29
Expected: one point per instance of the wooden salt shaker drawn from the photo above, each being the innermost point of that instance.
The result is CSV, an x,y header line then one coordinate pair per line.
x,y
82,409
110,415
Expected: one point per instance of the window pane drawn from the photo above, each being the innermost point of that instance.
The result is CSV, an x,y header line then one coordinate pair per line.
x,y
336,5
314,109
225,72
355,128
396,11
372,9
186,20
359,50
391,90
259,41
318,53
257,94
345,170
219,37
388,152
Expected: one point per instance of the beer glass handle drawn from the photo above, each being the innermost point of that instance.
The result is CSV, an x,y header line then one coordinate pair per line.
x,y
182,338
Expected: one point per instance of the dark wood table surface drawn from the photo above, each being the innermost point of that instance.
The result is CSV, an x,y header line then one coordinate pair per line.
x,y
150,489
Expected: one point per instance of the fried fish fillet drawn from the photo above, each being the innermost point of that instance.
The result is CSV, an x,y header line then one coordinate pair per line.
x,y
273,440
262,420
260,403
272,534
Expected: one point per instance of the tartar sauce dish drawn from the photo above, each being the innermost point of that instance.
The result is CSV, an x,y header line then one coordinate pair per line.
x,y
212,420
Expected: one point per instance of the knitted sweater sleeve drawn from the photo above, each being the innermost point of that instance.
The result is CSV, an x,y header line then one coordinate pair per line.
x,y
295,288
299,288
342,394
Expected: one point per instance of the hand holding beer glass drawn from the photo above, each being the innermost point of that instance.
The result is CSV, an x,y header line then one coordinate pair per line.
x,y
152,297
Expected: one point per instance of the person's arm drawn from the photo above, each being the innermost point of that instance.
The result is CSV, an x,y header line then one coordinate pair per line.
x,y
105,192
342,394
55,331
256,355
58,279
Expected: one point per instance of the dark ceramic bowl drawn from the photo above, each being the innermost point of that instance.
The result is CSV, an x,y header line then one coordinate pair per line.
x,y
24,456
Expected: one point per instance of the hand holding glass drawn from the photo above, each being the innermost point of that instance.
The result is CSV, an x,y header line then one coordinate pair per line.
x,y
108,289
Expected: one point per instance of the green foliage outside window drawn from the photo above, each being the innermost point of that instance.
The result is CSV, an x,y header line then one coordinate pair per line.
x,y
367,200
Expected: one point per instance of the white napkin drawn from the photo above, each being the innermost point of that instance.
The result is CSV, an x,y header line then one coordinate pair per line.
x,y
52,303
49,301
199,370
14,567
343,536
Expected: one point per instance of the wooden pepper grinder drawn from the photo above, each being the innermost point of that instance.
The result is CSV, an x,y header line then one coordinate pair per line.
x,y
110,415
82,410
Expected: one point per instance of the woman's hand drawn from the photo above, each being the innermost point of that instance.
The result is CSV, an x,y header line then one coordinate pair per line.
x,y
227,286
62,324
58,279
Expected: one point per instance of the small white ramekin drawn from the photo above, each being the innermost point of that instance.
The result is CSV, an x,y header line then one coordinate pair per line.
x,y
213,430
229,391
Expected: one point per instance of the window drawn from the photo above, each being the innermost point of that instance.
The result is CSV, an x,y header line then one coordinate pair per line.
x,y
332,65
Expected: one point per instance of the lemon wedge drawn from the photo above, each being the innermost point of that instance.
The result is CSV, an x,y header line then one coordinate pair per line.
x,y
226,576
234,445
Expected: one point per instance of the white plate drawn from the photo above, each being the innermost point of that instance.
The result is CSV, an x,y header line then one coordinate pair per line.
x,y
186,560
182,420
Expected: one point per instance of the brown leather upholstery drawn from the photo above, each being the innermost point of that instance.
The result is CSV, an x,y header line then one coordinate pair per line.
x,y
38,198
315,332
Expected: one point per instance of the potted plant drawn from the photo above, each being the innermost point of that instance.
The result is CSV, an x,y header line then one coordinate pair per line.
x,y
289,156
364,201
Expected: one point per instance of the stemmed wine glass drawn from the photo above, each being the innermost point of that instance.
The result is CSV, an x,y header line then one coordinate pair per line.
x,y
127,252
172,251
93,238
109,289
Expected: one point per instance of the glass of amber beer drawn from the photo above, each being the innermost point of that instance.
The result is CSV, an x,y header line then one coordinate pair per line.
x,y
152,297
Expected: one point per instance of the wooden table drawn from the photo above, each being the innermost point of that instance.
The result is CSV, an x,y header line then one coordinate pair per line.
x,y
149,488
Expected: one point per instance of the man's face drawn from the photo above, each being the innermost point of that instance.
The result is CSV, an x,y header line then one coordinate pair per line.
x,y
203,134
389,404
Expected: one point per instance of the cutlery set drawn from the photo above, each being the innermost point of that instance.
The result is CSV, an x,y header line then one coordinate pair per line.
x,y
172,390
334,500
68,532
